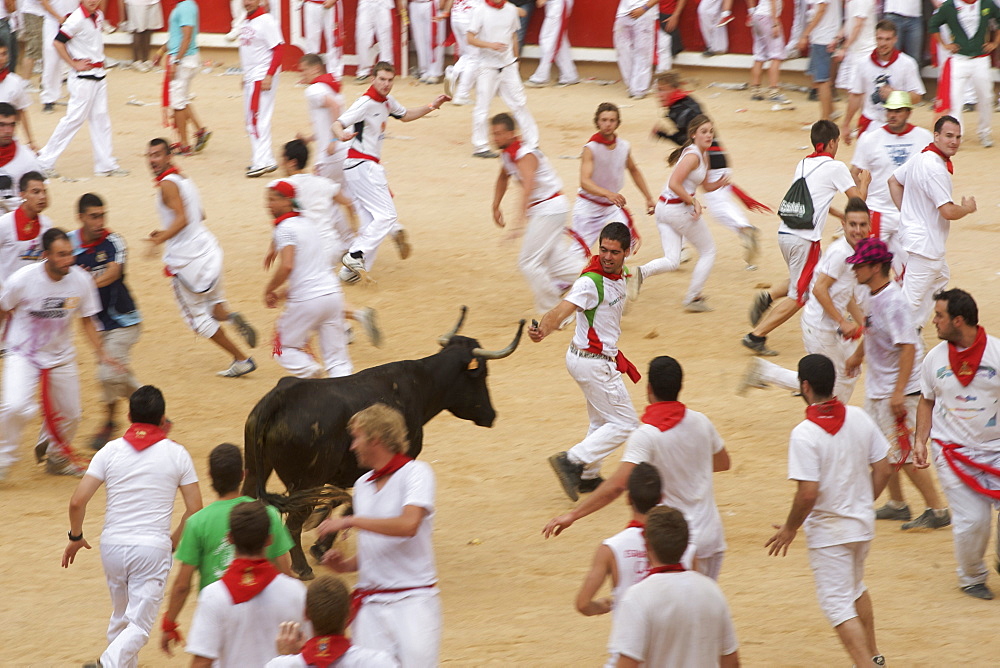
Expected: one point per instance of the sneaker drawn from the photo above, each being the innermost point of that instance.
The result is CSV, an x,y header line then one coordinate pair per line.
x,y
708,53
486,153
928,521
101,438
185,151
878,660
461,101
347,276
572,82
759,347
402,241
141,66
752,378
968,107
725,19
887,512
978,591
535,84
98,664
449,81
698,305
568,474
813,95
986,141
41,449
117,171
432,81
362,78
367,318
201,138
254,172
775,95
761,302
633,283
239,368
750,238
49,107
756,93
61,465
248,333
588,485
355,264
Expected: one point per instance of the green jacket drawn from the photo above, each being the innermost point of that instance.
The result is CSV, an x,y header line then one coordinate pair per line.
x,y
947,15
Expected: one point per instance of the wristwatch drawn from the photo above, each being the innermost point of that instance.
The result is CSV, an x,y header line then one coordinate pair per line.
x,y
75,538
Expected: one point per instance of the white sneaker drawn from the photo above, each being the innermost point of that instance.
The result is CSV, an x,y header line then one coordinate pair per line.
x,y
117,171
535,84
986,140
348,276
366,317
239,368
141,66
461,101
449,81
357,266
752,378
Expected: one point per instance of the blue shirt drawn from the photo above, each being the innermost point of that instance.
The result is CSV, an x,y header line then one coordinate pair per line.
x,y
184,14
117,307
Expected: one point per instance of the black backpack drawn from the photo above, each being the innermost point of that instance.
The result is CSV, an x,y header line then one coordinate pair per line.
x,y
796,208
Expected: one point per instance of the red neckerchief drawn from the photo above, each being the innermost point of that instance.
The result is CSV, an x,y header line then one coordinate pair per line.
x,y
255,13
932,147
820,152
892,58
324,651
664,415
512,149
92,17
668,568
600,139
166,173
675,96
140,436
965,363
91,246
245,578
829,415
635,523
375,95
594,267
496,5
905,130
26,228
3,73
280,219
397,462
330,81
8,152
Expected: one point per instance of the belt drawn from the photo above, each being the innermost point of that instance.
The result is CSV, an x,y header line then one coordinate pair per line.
x,y
90,77
672,200
588,355
595,200
352,153
545,199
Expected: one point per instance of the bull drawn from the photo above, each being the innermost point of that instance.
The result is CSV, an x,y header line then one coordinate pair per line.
x,y
299,429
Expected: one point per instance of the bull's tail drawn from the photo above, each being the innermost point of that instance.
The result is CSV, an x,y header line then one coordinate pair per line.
x,y
326,498
258,467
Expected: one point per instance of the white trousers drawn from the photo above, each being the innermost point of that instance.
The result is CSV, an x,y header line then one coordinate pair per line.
x,y
676,222
137,576
506,82
53,67
547,260
633,39
816,342
553,41
368,189
799,8
323,316
467,65
924,277
317,24
197,308
888,224
259,131
409,628
664,49
428,38
374,23
722,204
612,416
88,101
589,218
972,73
19,403
716,38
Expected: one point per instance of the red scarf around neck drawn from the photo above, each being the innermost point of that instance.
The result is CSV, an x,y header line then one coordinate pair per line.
x,y
255,13
91,246
397,462
594,267
280,219
496,4
375,95
140,435
664,415
512,149
892,58
820,152
635,523
965,363
905,130
8,152
666,568
675,96
932,147
601,139
3,73
167,172
245,578
829,415
329,80
324,651
26,228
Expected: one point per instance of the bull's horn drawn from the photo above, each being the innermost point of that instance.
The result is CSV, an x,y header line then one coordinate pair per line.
x,y
500,354
445,338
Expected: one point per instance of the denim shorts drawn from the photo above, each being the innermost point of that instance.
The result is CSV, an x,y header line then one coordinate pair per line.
x,y
819,63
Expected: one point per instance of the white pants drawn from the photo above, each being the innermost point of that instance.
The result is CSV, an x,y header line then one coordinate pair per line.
x,y
19,403
664,49
547,260
179,88
374,22
716,38
839,572
368,189
924,277
507,83
317,24
331,166
975,73
118,382
53,67
633,39
259,131
409,628
612,416
553,41
816,342
676,222
710,566
722,204
798,25
137,576
467,65
197,307
323,316
888,231
88,101
428,38
589,218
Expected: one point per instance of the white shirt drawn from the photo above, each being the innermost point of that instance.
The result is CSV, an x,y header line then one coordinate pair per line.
x,y
926,186
683,456
902,73
141,488
314,195
86,39
694,178
860,9
15,253
355,657
674,620
968,16
194,245
832,263
14,91
626,6
367,119
826,30
547,183
881,152
258,37
390,562
840,463
241,636
888,325
763,9
41,326
609,166
311,274
966,415
825,177
490,24
24,161
629,549
321,120
903,7
607,317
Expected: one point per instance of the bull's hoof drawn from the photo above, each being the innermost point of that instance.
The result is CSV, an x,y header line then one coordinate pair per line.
x,y
305,575
317,552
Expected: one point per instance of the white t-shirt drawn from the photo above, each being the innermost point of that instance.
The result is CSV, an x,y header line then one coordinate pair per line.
x,y
86,39
860,9
490,24
314,195
355,657
311,274
903,7
141,488
968,16
15,253
926,186
694,178
888,325
240,636
840,464
258,37
966,415
826,30
462,9
609,166
674,619
321,120
825,177
14,91
881,152
368,118
631,563
607,318
390,562
193,253
900,73
547,182
683,457
763,8
833,264
24,161
41,326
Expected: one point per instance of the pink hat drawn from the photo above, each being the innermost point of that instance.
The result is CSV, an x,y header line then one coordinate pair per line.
x,y
870,251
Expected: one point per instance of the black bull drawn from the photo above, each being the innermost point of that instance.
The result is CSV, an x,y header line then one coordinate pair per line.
x,y
299,429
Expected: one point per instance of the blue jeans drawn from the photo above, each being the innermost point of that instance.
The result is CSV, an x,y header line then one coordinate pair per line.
x,y
910,35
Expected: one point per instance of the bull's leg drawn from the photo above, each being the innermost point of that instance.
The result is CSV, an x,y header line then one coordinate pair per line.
x,y
299,563
320,547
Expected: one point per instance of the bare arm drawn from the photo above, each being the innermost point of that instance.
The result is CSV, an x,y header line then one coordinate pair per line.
x,y
881,470
284,564
191,494
499,190
200,662
526,168
94,338
60,47
551,320
720,461
624,661
172,200
952,211
286,262
805,498
600,569
112,272
85,491
730,660
178,597
420,112
404,525
640,182
804,39
22,117
608,491
925,417
896,191
907,357
853,104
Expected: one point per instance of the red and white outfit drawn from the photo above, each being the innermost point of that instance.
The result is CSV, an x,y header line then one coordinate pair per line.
x,y
319,92
353,657
20,241
592,212
397,580
88,93
553,43
260,56
900,72
664,41
40,353
628,547
881,152
676,222
467,65
54,68
324,26
835,447
716,37
14,90
964,423
314,195
863,45
681,443
633,40
16,160
498,73
373,22
923,231
548,260
428,37
766,46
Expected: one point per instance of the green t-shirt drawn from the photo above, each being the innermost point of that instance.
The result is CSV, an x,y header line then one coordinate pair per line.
x,y
205,542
